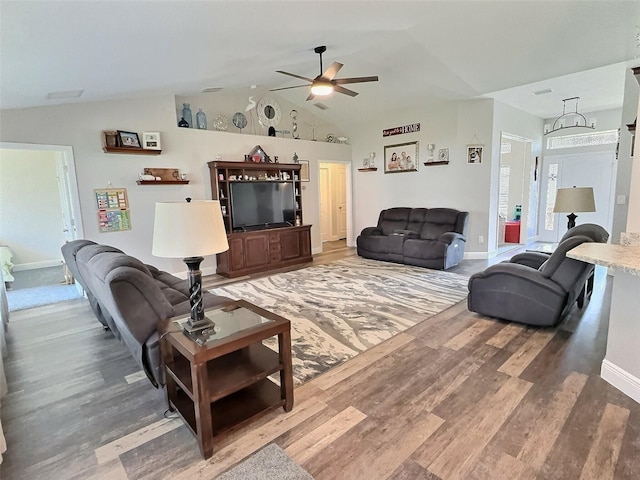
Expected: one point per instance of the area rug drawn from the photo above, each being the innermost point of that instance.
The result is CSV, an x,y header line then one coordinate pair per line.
x,y
22,298
270,463
343,308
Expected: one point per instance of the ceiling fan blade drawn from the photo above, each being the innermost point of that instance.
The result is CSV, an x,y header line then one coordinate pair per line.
x,y
341,81
311,97
287,88
332,71
295,76
339,89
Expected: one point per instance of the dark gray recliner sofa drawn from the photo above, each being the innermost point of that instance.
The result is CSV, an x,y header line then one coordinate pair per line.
x,y
426,237
535,288
132,298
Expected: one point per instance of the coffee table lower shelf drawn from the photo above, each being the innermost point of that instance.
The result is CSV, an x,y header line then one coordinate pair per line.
x,y
234,410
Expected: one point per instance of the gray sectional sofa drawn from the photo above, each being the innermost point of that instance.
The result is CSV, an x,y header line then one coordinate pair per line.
x,y
426,237
131,298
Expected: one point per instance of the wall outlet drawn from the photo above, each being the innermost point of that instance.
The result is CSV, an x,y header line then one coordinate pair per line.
x,y
480,239
621,200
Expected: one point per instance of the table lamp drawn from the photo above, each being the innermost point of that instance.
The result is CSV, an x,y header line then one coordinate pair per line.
x,y
190,230
571,200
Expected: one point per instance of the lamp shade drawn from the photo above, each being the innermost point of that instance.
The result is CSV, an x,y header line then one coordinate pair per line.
x,y
188,229
576,199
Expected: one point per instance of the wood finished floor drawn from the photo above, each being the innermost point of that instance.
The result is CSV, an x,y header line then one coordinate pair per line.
x,y
459,396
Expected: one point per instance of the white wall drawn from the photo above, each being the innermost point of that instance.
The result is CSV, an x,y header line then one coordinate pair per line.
x,y
625,161
189,150
458,185
30,212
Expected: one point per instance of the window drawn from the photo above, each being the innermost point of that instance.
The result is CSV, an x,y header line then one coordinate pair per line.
x,y
503,195
606,137
552,187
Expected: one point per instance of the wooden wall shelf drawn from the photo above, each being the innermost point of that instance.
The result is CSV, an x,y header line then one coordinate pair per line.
x,y
131,151
369,169
162,182
428,164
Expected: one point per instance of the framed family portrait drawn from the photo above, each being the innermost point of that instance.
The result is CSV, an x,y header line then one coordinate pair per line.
x,y
474,153
402,157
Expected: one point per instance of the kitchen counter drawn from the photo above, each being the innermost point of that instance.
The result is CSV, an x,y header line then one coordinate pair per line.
x,y
621,364
618,257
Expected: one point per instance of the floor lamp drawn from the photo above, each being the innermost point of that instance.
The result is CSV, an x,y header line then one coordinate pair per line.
x,y
190,230
572,200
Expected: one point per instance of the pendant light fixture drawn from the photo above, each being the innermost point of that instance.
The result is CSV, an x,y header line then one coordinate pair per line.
x,y
570,119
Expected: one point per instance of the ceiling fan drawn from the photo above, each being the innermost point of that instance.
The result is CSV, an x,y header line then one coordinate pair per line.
x,y
326,83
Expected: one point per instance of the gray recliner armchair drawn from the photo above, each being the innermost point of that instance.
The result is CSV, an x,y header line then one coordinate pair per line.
x,y
535,288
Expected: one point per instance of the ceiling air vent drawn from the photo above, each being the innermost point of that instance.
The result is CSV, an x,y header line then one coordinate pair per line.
x,y
321,106
543,92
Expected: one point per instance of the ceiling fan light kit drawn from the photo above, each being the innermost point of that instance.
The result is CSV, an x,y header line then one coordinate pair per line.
x,y
326,83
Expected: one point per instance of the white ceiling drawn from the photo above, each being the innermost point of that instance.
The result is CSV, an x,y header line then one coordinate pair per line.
x,y
423,51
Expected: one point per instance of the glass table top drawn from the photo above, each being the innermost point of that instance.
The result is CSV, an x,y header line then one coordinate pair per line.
x,y
227,320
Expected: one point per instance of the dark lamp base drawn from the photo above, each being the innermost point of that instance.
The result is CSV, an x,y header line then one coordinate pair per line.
x,y
190,326
572,220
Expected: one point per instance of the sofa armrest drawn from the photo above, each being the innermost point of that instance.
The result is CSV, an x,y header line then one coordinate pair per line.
x,y
450,237
530,259
371,231
516,275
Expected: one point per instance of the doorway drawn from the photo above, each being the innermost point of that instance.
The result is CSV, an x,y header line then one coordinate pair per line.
x,y
582,170
513,191
40,209
333,201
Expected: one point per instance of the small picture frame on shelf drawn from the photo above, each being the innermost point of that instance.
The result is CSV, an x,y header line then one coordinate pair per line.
x,y
128,139
151,141
110,138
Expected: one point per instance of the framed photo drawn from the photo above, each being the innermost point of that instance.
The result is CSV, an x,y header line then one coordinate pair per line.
x,y
257,155
474,153
151,141
402,157
304,170
128,139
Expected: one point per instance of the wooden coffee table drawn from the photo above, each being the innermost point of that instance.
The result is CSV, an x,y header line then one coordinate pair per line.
x,y
222,383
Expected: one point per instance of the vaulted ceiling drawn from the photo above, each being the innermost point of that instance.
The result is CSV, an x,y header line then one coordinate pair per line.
x,y
424,52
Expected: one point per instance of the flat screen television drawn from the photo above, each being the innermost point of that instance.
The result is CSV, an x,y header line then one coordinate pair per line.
x,y
262,204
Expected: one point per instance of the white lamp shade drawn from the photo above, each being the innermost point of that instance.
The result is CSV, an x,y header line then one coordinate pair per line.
x,y
188,229
576,199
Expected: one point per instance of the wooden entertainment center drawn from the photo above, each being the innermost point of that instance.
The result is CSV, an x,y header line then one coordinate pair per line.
x,y
259,250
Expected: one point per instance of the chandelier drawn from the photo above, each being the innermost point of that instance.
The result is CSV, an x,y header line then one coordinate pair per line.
x,y
571,119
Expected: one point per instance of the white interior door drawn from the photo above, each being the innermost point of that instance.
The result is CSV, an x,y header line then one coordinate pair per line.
x,y
325,200
341,200
565,171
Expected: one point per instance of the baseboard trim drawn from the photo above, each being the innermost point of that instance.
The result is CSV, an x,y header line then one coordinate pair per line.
x,y
621,379
476,255
35,265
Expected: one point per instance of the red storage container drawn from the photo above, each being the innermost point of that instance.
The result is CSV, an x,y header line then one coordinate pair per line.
x,y
512,232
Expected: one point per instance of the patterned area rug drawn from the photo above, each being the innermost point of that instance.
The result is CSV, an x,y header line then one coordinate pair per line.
x,y
344,308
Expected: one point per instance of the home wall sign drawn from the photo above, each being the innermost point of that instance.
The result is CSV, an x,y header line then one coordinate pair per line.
x,y
411,128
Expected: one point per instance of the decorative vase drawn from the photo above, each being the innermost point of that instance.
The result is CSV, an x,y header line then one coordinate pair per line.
x,y
183,123
201,120
186,114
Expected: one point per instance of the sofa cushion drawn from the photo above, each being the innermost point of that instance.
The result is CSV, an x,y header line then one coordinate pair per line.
x,y
438,221
416,219
393,219
424,249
